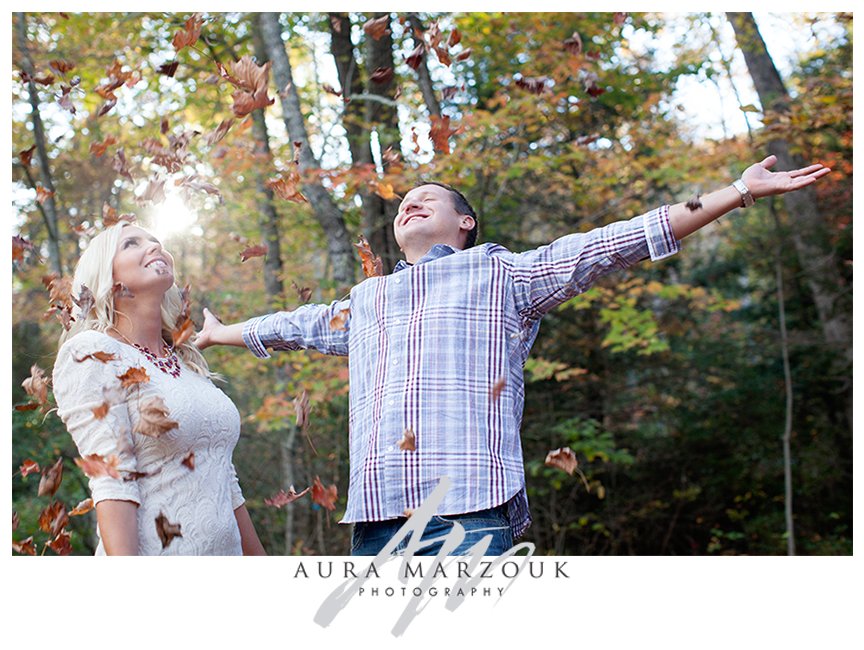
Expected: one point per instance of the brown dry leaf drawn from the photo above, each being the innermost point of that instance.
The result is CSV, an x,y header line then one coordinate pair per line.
x,y
189,34
28,467
133,376
168,69
563,458
24,547
464,54
154,419
286,188
99,412
324,497
66,99
455,38
182,332
120,165
42,194
30,406
85,300
61,544
408,442
574,44
20,246
443,55
301,410
16,521
154,192
51,479
189,460
251,81
53,518
440,133
98,149
82,508
36,385
304,293
26,156
61,65
166,530
381,76
377,28
258,250
372,264
283,498
495,392
536,85
219,132
95,465
416,57
619,17
120,290
339,321
60,291
99,355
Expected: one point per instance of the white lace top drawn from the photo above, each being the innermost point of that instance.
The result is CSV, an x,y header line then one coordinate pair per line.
x,y
200,496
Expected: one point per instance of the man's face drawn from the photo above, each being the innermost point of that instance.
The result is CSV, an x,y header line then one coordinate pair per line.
x,y
427,216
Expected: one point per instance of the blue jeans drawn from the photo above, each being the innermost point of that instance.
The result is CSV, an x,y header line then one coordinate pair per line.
x,y
370,537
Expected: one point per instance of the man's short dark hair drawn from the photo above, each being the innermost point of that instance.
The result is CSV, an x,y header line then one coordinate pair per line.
x,y
461,205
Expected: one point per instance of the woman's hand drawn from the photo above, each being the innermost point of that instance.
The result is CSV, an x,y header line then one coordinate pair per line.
x,y
762,182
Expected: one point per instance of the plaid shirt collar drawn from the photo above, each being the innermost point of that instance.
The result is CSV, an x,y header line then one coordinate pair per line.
x,y
435,253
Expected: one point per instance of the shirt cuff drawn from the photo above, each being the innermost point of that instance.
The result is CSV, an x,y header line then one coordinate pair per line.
x,y
253,340
658,234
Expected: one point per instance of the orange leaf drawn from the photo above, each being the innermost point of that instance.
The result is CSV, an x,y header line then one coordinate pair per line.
x,y
283,498
99,355
133,376
82,508
51,479
372,265
166,530
455,38
440,133
563,458
189,34
53,518
182,332
26,156
20,246
324,497
98,148
340,319
286,188
408,442
28,467
258,250
24,547
61,544
495,392
153,419
42,194
377,28
99,412
95,465
385,191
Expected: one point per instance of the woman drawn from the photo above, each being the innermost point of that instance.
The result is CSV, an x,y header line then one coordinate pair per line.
x,y
156,436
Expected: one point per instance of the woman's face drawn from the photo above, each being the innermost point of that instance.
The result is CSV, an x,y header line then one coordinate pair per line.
x,y
140,262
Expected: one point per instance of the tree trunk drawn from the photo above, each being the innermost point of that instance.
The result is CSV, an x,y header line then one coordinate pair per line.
x,y
326,211
424,80
48,208
809,236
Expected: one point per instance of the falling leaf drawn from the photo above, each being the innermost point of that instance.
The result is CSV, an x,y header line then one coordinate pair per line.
x,y
189,460
286,188
443,55
283,498
120,290
166,530
53,518
99,355
29,406
407,513
28,467
168,69
372,265
324,497
98,148
536,85
26,156
133,376
19,247
385,191
331,90
120,165
51,479
219,132
301,409
408,442
304,293
258,250
415,138
464,54
96,465
182,332
440,133
189,34
107,106
24,547
339,321
36,385
416,57
85,300
377,28
251,81
61,65
15,521
574,44
99,412
455,38
495,392
619,17
61,544
42,194
154,192
563,458
153,420
66,99
164,127
82,508
381,76
60,291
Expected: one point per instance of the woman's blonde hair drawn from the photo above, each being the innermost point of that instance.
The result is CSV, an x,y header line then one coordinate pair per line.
x,y
95,270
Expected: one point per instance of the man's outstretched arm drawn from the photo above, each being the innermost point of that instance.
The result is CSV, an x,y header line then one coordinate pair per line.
x,y
758,180
213,332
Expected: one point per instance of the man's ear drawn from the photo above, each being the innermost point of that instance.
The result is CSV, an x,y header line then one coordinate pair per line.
x,y
467,223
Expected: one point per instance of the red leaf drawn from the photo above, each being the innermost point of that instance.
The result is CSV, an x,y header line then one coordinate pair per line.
x,y
133,376
377,28
189,460
28,467
166,530
455,38
95,465
416,57
563,458
51,479
24,547
189,34
19,247
464,54
324,497
26,156
61,544
283,498
440,133
381,76
62,66
53,518
340,319
258,250
42,194
372,265
98,148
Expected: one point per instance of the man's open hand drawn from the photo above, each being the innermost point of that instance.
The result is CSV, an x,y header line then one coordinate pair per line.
x,y
762,182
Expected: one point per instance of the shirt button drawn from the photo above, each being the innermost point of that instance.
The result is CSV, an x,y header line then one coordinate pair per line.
x,y
397,280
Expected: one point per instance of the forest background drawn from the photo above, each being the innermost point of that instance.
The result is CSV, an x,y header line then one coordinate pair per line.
x,y
707,398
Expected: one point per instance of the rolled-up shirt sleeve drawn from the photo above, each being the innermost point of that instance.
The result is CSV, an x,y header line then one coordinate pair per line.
x,y
83,385
319,327
550,275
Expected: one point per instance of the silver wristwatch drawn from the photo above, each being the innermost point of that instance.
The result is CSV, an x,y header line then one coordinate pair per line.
x,y
746,198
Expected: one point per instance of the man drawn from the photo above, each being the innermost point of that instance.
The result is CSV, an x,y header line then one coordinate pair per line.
x,y
437,351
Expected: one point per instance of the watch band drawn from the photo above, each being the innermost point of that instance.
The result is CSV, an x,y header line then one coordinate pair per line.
x,y
746,198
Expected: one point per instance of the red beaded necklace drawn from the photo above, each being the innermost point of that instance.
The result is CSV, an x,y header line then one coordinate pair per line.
x,y
168,364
